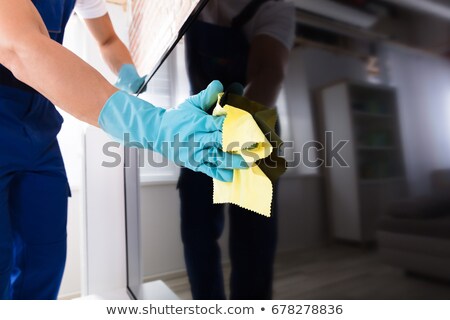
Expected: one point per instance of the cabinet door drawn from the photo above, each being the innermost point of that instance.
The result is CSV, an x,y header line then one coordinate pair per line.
x,y
342,187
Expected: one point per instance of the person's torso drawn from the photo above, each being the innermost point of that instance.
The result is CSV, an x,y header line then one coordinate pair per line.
x,y
215,53
217,47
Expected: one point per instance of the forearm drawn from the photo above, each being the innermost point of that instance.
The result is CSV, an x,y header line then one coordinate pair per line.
x,y
28,52
115,54
61,76
267,66
264,87
113,50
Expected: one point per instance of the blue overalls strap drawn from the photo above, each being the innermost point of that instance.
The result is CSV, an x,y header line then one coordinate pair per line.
x,y
8,79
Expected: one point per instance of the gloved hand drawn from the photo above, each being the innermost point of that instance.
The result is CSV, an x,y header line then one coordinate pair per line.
x,y
186,135
128,79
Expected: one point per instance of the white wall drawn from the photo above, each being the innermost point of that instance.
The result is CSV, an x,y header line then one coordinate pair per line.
x,y
423,83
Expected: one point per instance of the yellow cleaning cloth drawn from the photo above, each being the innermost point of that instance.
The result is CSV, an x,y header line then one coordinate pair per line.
x,y
251,188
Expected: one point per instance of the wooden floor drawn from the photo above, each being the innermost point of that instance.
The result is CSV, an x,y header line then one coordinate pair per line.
x,y
337,272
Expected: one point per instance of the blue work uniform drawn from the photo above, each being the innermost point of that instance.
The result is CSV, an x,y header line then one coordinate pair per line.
x,y
216,52
33,183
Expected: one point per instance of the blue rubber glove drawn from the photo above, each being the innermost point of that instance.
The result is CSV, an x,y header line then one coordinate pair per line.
x,y
186,135
128,79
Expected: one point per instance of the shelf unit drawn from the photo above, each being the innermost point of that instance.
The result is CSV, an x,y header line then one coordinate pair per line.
x,y
366,116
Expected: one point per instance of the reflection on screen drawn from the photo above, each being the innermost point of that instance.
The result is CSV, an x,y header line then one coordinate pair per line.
x,y
155,27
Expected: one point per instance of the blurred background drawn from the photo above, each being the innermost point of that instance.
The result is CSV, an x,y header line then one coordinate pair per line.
x,y
374,73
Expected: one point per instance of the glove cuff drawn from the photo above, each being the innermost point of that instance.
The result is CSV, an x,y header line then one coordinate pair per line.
x,y
131,120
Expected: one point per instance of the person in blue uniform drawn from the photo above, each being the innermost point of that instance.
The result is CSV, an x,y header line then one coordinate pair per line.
x,y
37,72
246,42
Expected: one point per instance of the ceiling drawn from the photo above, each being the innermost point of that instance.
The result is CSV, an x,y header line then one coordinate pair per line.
x,y
416,23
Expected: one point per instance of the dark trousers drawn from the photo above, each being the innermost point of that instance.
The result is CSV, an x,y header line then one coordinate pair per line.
x,y
252,243
33,191
33,217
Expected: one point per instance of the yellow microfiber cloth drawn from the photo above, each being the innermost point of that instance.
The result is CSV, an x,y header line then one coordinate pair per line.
x,y
251,188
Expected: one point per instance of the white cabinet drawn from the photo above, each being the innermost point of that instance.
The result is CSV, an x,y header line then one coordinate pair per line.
x,y
365,116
